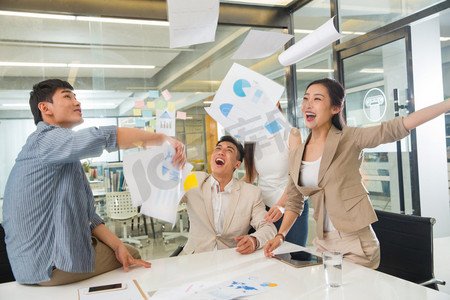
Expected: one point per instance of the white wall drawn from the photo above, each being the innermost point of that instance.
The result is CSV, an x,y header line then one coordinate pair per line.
x,y
431,139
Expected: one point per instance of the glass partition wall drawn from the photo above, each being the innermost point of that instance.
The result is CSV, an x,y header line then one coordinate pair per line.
x,y
114,68
111,69
114,65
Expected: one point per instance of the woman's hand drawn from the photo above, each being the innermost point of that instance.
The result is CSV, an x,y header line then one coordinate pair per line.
x,y
272,245
274,214
125,258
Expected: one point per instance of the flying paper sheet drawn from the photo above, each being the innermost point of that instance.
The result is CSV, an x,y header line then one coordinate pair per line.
x,y
192,22
245,105
154,182
310,44
259,44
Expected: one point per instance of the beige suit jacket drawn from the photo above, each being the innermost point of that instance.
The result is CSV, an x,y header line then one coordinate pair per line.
x,y
340,183
245,210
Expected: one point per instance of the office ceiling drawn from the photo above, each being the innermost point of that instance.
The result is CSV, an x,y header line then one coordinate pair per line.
x,y
192,74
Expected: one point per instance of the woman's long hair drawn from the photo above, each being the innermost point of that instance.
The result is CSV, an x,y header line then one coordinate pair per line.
x,y
249,161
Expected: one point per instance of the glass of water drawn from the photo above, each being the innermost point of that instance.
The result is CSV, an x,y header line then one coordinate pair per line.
x,y
332,263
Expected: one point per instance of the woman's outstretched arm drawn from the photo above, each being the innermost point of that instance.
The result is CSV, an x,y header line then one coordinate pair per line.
x,y
425,114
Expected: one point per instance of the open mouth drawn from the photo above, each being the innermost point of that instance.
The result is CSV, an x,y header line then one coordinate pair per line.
x,y
310,116
220,162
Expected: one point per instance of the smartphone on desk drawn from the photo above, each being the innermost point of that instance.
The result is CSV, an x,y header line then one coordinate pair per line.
x,y
106,288
299,259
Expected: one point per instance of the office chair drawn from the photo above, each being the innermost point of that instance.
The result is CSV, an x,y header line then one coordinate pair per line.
x,y
175,234
406,244
119,206
6,274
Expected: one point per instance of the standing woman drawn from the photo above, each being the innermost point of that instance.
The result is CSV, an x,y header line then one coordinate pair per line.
x,y
326,169
268,161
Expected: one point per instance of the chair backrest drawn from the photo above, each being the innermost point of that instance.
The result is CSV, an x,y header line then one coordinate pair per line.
x,y
177,251
119,206
6,274
406,245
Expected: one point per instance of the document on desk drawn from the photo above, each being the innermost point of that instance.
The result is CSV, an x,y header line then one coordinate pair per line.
x,y
233,289
132,292
154,182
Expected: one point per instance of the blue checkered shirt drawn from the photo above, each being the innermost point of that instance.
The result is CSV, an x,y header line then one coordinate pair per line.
x,y
48,208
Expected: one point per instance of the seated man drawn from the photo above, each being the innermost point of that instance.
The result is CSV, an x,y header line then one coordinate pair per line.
x,y
53,235
222,209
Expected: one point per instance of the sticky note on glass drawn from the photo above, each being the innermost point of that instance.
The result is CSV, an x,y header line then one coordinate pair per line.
x,y
153,123
150,105
147,114
171,106
137,112
190,182
139,104
153,94
140,123
161,104
166,94
181,115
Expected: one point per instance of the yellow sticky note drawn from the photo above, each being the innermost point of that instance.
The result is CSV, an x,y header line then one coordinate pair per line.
x,y
150,105
190,182
137,112
138,144
171,106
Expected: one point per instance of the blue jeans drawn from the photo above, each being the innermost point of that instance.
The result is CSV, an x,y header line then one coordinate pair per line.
x,y
299,230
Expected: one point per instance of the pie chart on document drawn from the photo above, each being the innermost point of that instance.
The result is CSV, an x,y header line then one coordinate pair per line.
x,y
239,86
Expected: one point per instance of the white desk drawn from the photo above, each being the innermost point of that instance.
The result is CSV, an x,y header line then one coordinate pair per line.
x,y
225,265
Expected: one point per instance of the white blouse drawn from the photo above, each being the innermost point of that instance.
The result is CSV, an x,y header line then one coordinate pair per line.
x,y
309,176
272,165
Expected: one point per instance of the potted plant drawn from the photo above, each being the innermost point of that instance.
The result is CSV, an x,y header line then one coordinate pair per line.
x,y
87,168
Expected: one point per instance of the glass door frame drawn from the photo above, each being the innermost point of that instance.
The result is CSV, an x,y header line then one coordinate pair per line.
x,y
343,52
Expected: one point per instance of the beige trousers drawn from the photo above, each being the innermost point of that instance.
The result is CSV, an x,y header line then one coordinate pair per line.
x,y
360,247
105,261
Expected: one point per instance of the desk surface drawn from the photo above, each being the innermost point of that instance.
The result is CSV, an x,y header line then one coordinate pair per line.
x,y
225,265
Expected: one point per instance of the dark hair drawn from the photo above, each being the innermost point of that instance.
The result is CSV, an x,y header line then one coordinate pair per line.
x,y
337,94
230,139
249,158
43,92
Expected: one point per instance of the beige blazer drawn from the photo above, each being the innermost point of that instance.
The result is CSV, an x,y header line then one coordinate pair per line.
x,y
340,183
245,210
